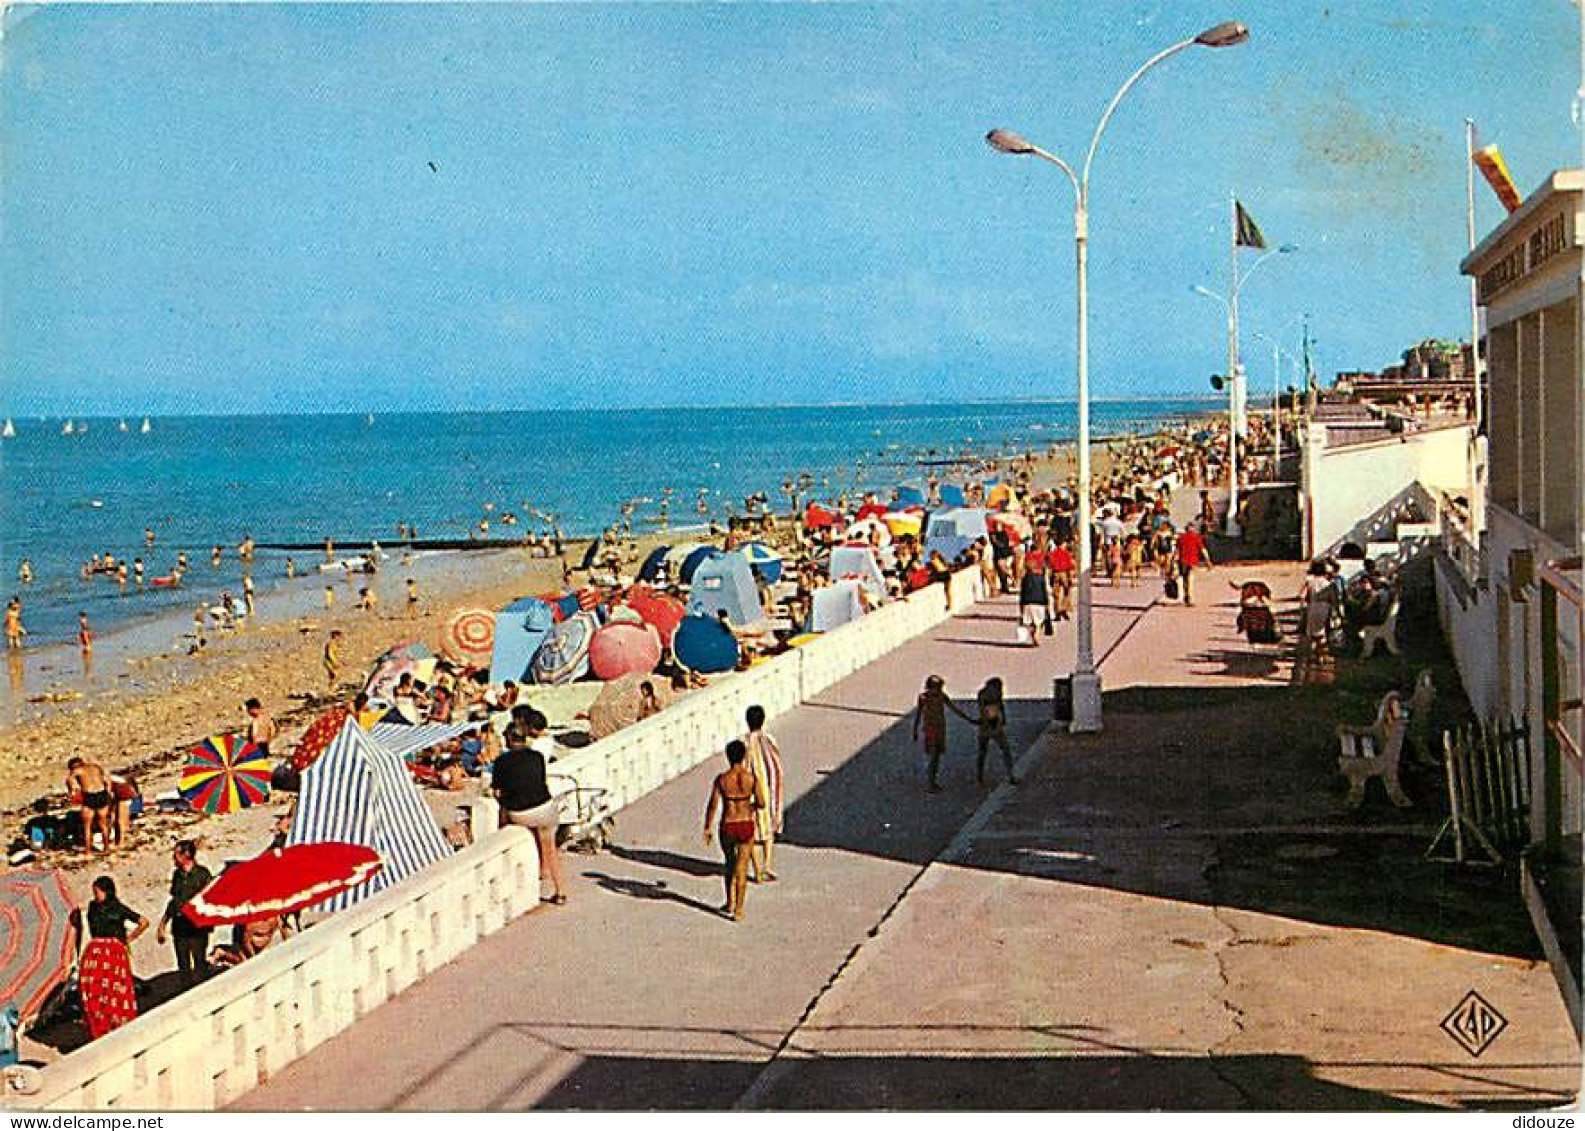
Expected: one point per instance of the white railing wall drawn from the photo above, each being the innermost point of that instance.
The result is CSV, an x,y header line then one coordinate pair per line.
x,y
647,755
220,1040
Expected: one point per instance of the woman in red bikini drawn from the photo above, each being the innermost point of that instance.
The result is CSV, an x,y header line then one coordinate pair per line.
x,y
734,794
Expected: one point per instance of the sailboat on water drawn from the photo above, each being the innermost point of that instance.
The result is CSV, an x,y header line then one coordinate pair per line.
x,y
67,429
9,430
122,426
144,428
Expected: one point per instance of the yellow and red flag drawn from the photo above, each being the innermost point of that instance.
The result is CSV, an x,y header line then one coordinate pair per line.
x,y
1488,159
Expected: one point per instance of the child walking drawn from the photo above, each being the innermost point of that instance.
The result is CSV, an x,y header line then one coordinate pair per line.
x,y
991,727
931,714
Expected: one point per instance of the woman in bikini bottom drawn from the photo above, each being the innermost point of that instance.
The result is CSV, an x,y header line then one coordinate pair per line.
x,y
733,794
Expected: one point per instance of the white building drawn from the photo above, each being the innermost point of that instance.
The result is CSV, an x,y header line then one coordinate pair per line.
x,y
1510,597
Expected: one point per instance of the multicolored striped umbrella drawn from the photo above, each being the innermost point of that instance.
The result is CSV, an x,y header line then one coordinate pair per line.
x,y
224,773
37,941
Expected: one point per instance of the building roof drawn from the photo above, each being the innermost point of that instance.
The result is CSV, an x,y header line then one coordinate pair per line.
x,y
1561,180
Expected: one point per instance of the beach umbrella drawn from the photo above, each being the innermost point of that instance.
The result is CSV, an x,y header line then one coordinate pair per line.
x,y
680,553
280,881
903,522
470,635
653,564
410,657
660,610
704,644
620,649
591,554
870,510
319,735
617,704
765,561
693,561
816,517
37,939
864,529
224,773
623,614
1017,525
1001,497
520,630
565,654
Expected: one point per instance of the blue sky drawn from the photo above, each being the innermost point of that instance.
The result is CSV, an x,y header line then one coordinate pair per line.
x,y
236,208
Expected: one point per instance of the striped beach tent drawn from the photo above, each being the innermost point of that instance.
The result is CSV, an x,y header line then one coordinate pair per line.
x,y
406,741
360,793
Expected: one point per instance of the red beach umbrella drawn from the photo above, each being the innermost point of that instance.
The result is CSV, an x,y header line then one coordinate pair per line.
x,y
224,773
37,940
281,881
623,649
470,636
659,610
318,737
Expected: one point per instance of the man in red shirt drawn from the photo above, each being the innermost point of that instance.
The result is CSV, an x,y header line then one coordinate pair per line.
x,y
1061,568
1191,553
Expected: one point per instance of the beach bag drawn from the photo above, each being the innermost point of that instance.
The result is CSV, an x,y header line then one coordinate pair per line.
x,y
1172,588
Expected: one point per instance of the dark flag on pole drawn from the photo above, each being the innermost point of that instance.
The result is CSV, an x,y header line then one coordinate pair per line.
x,y
1248,234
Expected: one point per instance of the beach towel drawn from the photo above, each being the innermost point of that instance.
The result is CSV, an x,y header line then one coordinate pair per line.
x,y
764,762
105,983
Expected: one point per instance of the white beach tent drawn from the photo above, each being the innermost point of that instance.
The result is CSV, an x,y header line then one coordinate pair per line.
x,y
835,605
358,792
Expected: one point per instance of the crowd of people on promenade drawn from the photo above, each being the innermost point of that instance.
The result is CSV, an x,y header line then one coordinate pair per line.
x,y
501,741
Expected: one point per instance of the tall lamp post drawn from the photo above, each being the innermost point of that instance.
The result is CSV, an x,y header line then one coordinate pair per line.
x,y
1235,382
1086,679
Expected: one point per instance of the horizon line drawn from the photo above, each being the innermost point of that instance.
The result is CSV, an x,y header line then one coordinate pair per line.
x,y
99,414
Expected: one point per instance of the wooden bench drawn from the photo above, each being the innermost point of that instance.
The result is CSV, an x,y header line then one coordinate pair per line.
x,y
1384,633
1373,751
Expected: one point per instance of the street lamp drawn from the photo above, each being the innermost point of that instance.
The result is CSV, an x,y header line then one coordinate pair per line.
x,y
1235,382
1276,394
1086,679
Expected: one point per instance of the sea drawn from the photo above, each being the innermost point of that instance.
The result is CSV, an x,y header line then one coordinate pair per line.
x,y
201,481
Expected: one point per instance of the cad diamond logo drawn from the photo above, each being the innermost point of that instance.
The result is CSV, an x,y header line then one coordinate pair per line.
x,y
1474,1024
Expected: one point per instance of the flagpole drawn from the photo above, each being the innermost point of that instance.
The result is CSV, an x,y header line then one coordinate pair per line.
x,y
1233,530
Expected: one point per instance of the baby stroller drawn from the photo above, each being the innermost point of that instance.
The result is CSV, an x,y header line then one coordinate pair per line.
x,y
1255,619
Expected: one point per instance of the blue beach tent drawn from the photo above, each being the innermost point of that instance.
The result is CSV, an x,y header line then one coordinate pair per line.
x,y
654,564
360,793
909,496
950,545
726,584
705,645
520,629
960,522
952,496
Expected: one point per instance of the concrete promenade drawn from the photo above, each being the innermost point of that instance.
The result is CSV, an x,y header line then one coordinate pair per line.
x,y
1171,914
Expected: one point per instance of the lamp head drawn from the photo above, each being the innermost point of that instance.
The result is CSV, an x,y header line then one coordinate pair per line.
x,y
1006,141
1230,34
